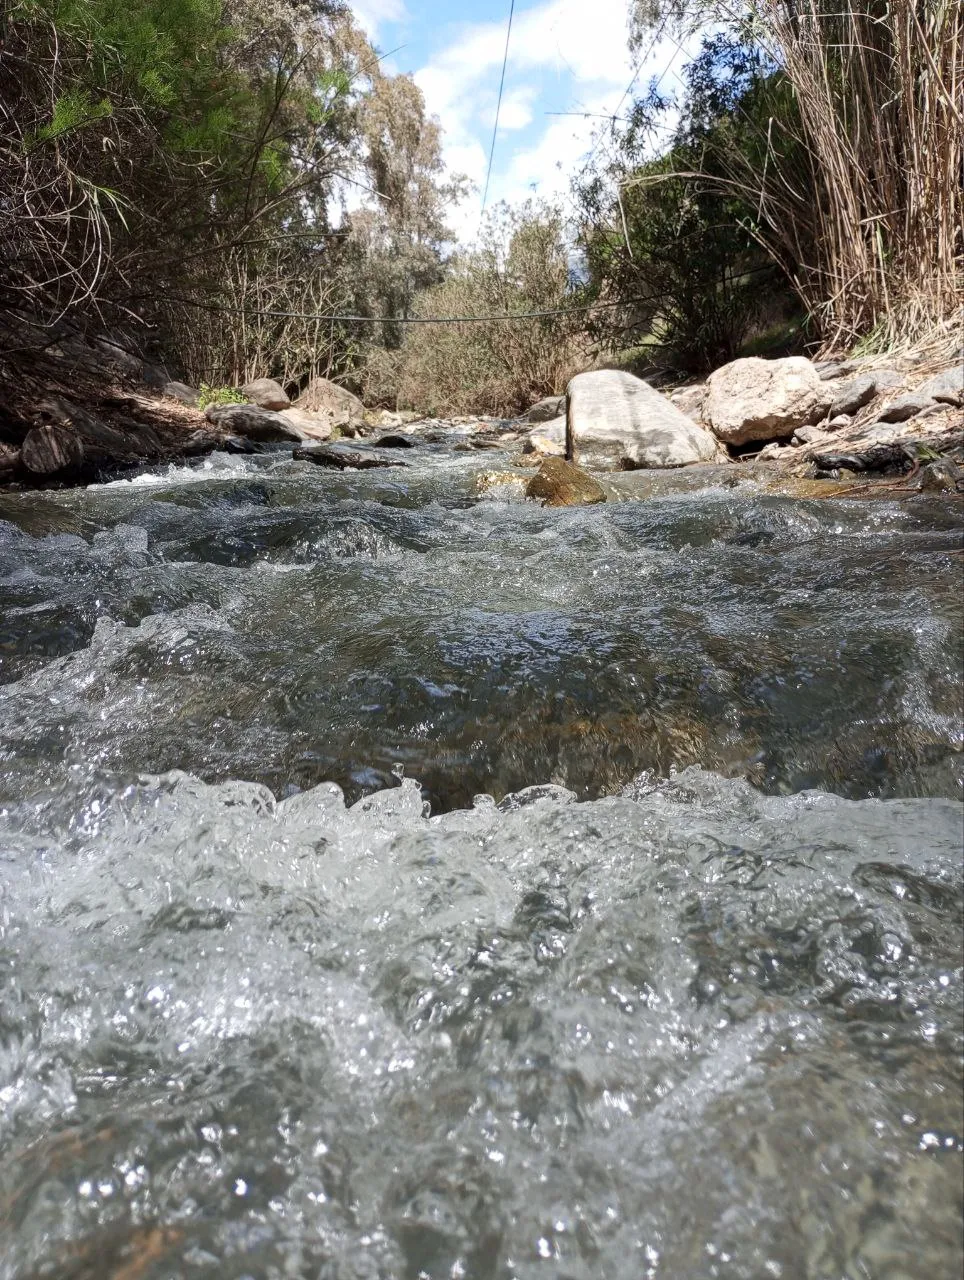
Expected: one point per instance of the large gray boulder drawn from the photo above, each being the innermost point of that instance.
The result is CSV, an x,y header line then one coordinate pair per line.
x,y
311,426
616,422
266,394
755,399
252,423
323,396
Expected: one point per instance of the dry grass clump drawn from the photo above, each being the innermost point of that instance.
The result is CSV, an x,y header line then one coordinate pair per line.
x,y
879,87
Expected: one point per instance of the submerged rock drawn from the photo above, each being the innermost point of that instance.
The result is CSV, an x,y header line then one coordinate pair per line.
x,y
755,399
343,459
561,484
395,441
618,422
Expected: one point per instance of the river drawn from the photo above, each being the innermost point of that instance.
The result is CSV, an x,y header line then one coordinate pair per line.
x,y
400,883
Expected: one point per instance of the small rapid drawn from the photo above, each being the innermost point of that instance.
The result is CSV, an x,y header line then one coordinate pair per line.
x,y
401,882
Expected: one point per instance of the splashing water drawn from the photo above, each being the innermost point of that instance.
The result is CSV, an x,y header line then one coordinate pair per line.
x,y
609,1026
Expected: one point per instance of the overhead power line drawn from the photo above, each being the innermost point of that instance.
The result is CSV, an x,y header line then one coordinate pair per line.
x,y
353,319
498,108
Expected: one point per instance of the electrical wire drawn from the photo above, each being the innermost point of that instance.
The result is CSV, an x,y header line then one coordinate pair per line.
x,y
498,108
353,319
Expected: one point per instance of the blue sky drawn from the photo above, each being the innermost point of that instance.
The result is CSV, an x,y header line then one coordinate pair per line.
x,y
565,56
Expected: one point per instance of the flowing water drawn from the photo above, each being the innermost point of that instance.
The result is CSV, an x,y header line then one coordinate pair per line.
x,y
399,884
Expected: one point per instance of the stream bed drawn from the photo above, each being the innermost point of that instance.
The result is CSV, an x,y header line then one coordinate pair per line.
x,y
400,883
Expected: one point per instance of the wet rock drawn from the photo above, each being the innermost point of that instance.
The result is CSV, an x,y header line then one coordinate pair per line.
x,y
879,458
343,459
618,422
50,452
200,443
561,484
182,392
395,441
853,395
755,399
238,444
266,394
548,409
942,476
946,387
252,423
507,486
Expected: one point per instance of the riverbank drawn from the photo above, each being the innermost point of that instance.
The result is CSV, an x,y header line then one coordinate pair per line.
x,y
78,409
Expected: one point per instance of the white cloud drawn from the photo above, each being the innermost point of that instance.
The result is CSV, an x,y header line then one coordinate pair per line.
x,y
373,14
577,46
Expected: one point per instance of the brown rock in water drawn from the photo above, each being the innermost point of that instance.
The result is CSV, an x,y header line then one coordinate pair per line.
x,y
343,459
52,451
561,484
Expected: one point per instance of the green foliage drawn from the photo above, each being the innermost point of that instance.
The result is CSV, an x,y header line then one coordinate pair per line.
x,y
219,395
74,109
521,265
671,239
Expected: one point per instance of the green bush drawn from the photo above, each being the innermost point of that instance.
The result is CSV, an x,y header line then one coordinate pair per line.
x,y
220,395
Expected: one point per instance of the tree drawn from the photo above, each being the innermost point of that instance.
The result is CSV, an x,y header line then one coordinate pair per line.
x,y
521,265
669,243
856,180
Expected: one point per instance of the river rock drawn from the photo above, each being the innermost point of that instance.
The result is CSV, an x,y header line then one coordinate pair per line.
x,y
50,451
322,395
9,459
618,422
559,483
942,476
946,387
310,426
756,399
857,392
690,400
266,394
548,409
343,459
182,392
395,441
251,422
904,407
548,440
